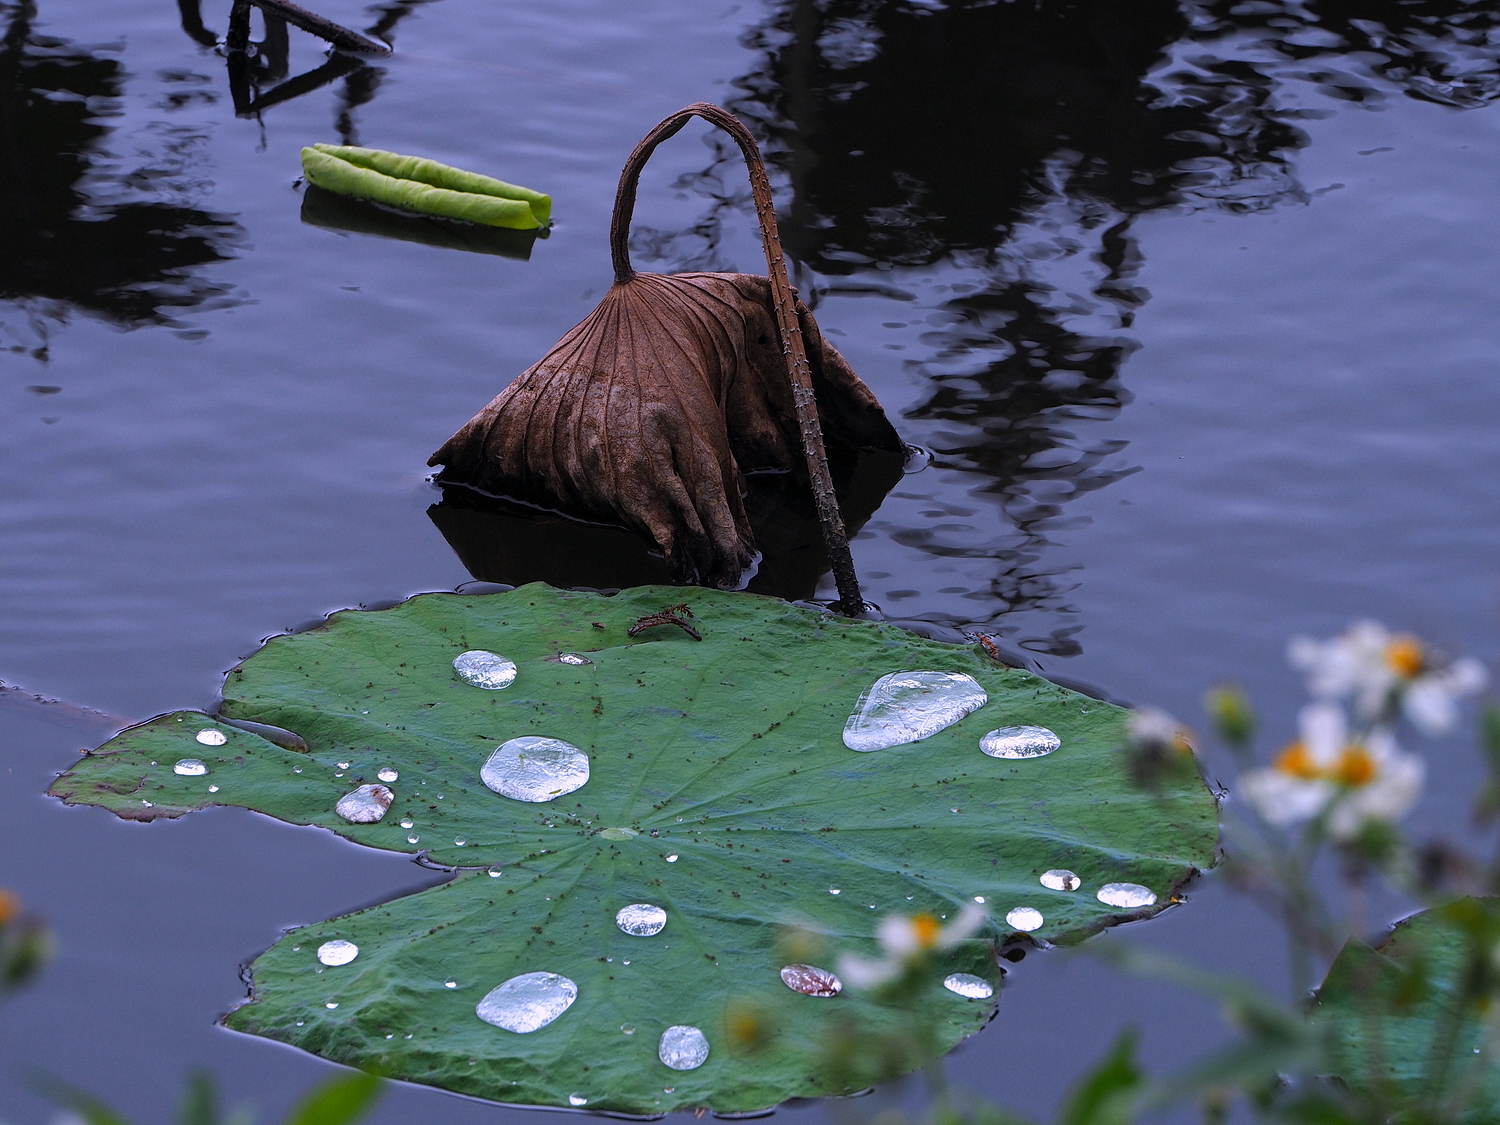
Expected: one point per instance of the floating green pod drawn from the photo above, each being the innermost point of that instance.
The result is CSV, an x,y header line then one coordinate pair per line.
x,y
425,186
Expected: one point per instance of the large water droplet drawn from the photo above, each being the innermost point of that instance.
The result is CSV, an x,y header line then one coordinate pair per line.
x,y
618,833
641,919
211,737
1129,896
485,669
190,767
535,769
337,952
388,774
577,1099
1060,879
907,707
528,1002
968,986
1019,742
572,658
1024,918
811,980
683,1047
365,805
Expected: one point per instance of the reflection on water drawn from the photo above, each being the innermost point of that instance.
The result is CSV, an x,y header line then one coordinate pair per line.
x,y
82,233
986,162
332,211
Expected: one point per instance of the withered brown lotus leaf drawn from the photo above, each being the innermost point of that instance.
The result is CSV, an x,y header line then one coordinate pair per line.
x,y
650,410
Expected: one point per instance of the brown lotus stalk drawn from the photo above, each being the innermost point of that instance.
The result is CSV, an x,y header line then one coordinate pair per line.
x,y
649,411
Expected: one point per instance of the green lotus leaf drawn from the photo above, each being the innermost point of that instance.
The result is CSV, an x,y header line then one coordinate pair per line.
x,y
1409,1020
425,186
719,789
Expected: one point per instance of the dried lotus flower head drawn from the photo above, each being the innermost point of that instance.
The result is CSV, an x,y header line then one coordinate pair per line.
x,y
650,411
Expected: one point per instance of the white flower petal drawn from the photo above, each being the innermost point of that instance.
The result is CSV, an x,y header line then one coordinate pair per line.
x,y
897,936
1324,731
1282,799
966,925
861,972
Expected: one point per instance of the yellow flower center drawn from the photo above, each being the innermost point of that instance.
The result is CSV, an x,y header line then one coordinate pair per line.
x,y
1296,761
1354,768
1404,657
926,929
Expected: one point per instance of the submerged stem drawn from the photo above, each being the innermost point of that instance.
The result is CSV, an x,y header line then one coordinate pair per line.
x,y
835,539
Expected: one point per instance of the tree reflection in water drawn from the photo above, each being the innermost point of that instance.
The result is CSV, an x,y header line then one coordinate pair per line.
x,y
79,234
987,160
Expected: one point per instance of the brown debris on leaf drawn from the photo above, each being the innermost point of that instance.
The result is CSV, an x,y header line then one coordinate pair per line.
x,y
651,410
672,615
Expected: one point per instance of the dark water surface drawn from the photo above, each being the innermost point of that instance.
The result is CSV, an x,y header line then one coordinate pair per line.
x,y
1197,310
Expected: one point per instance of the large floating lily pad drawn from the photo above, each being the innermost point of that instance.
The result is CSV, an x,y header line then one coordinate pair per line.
x,y
1403,1023
720,789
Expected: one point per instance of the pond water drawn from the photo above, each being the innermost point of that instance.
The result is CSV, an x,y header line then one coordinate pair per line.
x,y
1196,313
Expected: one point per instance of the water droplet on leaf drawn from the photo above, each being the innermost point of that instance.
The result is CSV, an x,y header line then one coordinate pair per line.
x,y
1019,742
211,737
190,767
641,919
213,788
337,952
343,765
683,1047
671,859
1128,896
388,774
1060,879
450,984
572,658
485,669
811,980
528,1002
577,1099
1024,918
968,986
495,872
907,707
535,769
834,890
365,805
618,833
406,822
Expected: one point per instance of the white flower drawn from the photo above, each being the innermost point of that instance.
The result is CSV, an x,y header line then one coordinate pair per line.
x,y
1354,782
1156,730
905,940
1380,671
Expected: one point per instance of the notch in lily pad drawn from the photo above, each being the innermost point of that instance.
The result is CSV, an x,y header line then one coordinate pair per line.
x,y
426,187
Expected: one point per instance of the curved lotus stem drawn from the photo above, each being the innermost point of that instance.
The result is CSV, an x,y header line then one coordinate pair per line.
x,y
835,539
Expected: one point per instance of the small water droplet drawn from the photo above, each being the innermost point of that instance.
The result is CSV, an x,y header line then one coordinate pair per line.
x,y
485,669
147,803
968,986
624,962
1024,918
811,980
535,769
211,737
331,1005
978,898
190,767
387,774
458,841
1128,896
343,765
496,872
834,891
365,805
1060,879
668,1090
213,788
671,859
572,658
338,775
618,833
413,838
683,1047
450,984
627,1028
1019,742
641,919
904,707
337,952
319,969
577,1099
406,822
296,769
391,1035
528,1002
